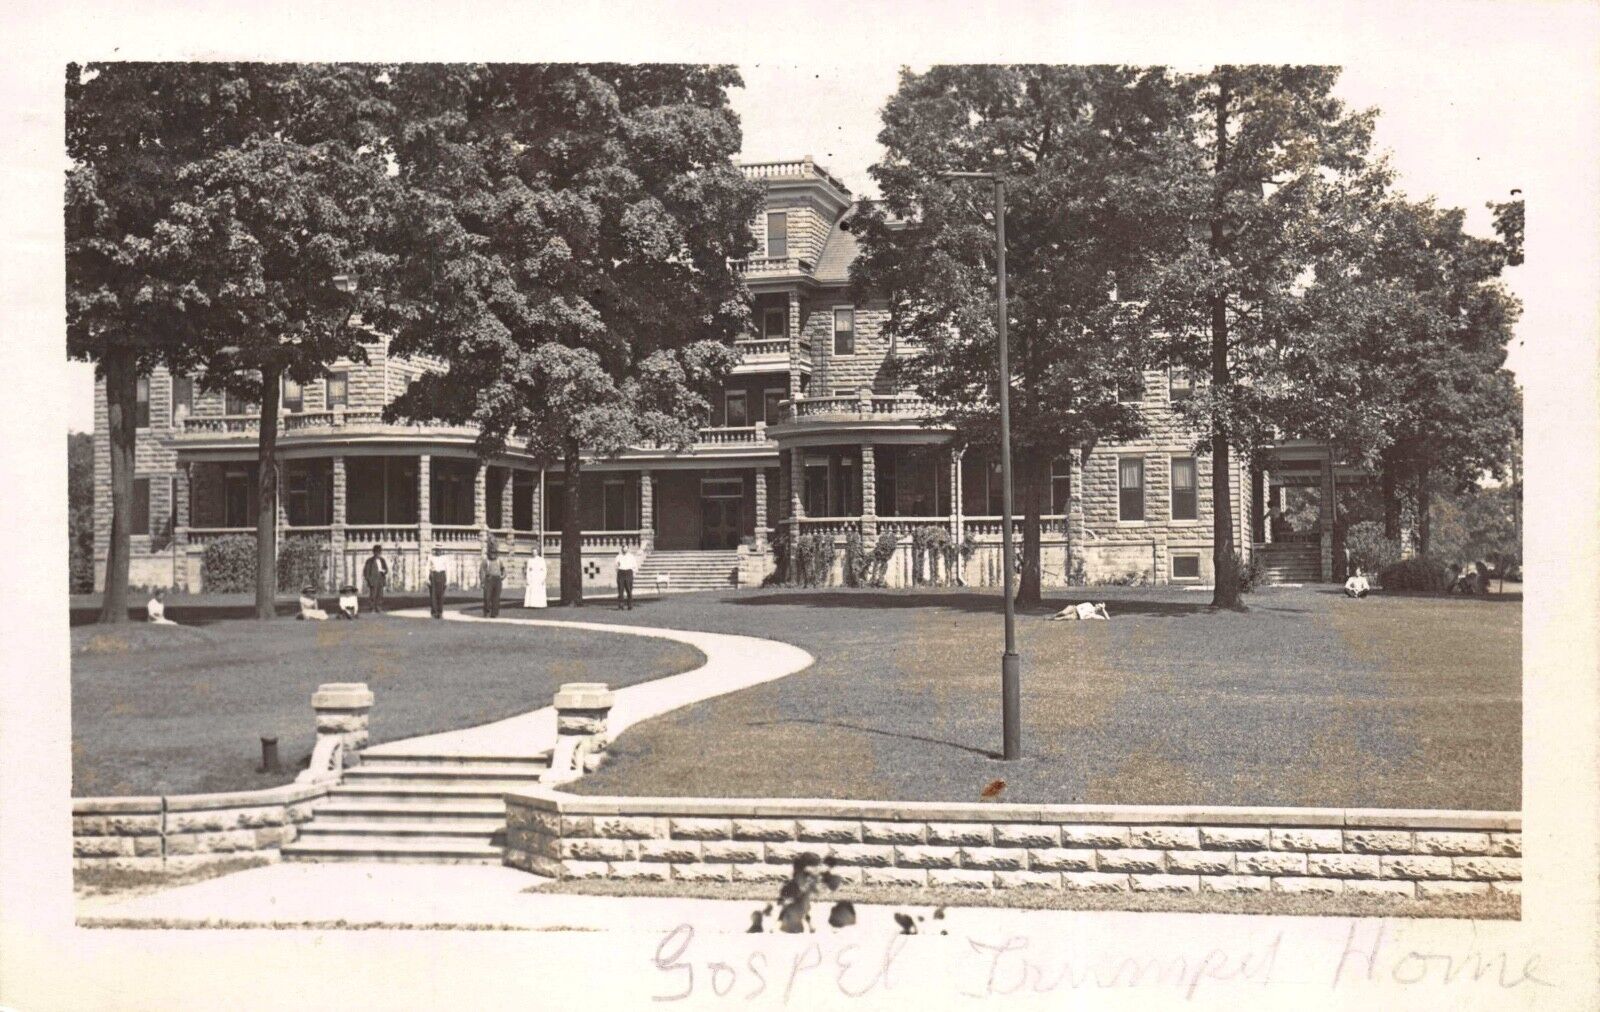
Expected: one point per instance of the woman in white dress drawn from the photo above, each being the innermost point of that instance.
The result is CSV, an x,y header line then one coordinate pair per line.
x,y
537,571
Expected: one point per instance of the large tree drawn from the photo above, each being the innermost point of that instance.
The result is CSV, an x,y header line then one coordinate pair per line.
x,y
1279,163
1089,156
261,232
131,128
567,253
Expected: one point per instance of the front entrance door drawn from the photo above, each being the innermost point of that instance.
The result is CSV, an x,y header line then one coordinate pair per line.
x,y
721,512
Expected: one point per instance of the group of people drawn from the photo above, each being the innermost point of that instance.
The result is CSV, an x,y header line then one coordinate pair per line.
x,y
491,576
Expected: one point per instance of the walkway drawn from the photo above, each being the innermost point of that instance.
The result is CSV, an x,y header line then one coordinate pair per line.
x,y
732,663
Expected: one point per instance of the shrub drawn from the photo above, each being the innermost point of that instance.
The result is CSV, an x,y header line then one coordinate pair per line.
x,y
229,564
1077,576
1248,575
822,555
1369,549
1419,573
882,553
855,560
302,562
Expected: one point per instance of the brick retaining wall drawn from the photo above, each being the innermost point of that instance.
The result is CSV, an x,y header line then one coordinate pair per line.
x,y
1072,847
151,832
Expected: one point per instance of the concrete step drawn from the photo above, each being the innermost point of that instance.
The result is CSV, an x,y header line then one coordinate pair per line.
x,y
416,759
408,773
492,790
487,814
355,848
438,830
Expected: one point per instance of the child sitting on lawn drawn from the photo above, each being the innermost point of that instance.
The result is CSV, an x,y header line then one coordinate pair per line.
x,y
308,606
349,602
156,610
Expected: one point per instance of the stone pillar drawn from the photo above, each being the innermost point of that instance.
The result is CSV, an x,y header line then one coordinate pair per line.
x,y
480,502
794,346
869,488
336,536
508,503
955,514
647,512
582,709
782,505
1328,515
342,710
797,485
761,509
424,514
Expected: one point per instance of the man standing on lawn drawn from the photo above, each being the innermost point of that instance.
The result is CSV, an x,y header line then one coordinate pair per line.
x,y
493,573
376,574
626,564
437,578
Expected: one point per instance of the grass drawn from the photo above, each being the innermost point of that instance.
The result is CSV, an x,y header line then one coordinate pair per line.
x,y
1495,906
1306,699
88,881
172,710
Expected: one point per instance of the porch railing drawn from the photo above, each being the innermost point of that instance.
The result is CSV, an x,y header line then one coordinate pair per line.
x,y
450,534
904,526
756,266
837,526
989,527
762,345
857,406
724,435
381,534
202,536
596,539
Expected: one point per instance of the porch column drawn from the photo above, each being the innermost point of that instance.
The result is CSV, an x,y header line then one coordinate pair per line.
x,y
797,487
794,345
336,538
761,509
180,509
480,502
1326,517
869,491
647,512
955,495
508,503
424,507
784,483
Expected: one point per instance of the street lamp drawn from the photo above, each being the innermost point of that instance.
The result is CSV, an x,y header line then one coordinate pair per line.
x,y
1010,662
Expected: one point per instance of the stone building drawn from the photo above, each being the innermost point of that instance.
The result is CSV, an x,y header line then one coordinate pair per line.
x,y
810,435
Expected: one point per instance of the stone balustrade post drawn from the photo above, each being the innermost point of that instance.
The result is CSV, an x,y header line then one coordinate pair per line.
x,y
761,509
869,485
342,710
647,512
582,710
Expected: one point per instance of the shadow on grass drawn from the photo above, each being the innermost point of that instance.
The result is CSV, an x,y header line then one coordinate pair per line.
x,y
971,602
1378,593
879,731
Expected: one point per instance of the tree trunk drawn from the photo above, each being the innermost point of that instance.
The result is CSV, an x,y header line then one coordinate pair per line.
x,y
1226,582
1391,498
122,397
571,531
1029,589
1424,502
267,498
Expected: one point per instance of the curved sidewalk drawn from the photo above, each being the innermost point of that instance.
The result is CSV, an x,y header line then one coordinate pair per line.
x,y
732,663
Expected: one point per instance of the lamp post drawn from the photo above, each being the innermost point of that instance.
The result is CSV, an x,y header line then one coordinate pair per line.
x,y
1010,662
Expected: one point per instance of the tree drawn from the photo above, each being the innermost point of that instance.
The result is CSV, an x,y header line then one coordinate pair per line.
x,y
130,130
1088,155
1279,163
566,249
260,234
80,511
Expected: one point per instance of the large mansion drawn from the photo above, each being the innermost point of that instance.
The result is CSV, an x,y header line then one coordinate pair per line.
x,y
810,435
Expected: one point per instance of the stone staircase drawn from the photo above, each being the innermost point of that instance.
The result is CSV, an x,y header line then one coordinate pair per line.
x,y
688,570
436,809
1291,562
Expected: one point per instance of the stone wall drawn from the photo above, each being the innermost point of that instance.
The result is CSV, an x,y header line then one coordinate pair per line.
x,y
1060,847
153,832
830,373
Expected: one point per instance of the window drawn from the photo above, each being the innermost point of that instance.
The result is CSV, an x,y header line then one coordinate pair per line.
x,y
234,404
338,389
141,402
494,497
775,323
294,395
239,486
1180,384
1130,485
844,331
1185,503
525,484
451,496
308,499
141,507
772,405
555,504
778,234
182,398
1060,486
381,490
1186,567
738,408
614,505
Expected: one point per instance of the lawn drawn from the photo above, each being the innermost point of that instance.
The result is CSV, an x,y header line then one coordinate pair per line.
x,y
171,710
1306,699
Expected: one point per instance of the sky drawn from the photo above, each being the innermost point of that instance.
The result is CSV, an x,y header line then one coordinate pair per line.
x,y
1465,140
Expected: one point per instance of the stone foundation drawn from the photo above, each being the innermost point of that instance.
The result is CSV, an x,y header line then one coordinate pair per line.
x,y
1407,853
154,832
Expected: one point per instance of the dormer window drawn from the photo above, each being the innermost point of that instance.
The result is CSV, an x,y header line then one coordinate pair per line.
x,y
778,235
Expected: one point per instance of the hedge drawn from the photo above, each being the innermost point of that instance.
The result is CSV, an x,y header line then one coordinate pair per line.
x,y
229,564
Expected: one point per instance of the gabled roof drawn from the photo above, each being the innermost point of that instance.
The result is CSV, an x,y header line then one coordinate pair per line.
x,y
838,253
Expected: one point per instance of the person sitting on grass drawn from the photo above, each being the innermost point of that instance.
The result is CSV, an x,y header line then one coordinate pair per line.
x,y
1358,586
156,610
349,602
309,609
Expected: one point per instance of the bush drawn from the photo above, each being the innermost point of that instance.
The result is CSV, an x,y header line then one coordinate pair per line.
x,y
855,560
822,555
302,562
1420,573
229,564
1369,549
882,553
1248,575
